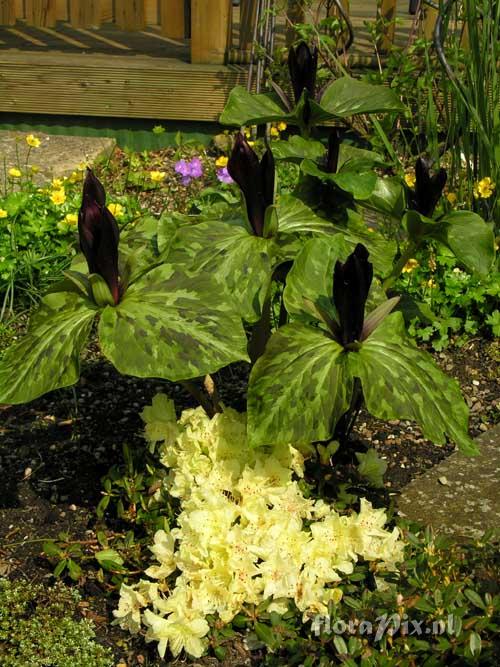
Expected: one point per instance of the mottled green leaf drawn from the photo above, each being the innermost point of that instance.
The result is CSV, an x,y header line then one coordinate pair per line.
x,y
295,217
372,467
358,183
310,280
241,261
48,356
173,326
402,382
347,96
299,388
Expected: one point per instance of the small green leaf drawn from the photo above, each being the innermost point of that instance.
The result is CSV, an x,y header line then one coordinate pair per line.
x,y
59,568
475,643
340,645
109,559
100,291
51,549
372,467
475,598
74,570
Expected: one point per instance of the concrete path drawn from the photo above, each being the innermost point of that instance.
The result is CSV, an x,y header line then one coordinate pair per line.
x,y
57,155
461,495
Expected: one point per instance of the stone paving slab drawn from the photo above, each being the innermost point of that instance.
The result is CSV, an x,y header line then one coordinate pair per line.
x,y
461,495
57,156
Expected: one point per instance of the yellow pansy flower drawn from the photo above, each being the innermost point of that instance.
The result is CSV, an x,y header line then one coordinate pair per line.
x,y
58,197
410,179
71,219
157,176
484,188
452,198
282,126
14,172
410,265
3,213
116,209
221,161
57,184
32,141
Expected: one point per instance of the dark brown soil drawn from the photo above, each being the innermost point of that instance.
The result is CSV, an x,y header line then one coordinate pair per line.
x,y
54,451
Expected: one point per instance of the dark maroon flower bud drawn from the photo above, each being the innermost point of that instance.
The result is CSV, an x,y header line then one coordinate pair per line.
x,y
351,284
99,234
256,180
303,64
332,157
428,188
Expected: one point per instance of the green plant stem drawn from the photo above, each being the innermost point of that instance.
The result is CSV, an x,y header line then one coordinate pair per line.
x,y
200,396
398,267
261,332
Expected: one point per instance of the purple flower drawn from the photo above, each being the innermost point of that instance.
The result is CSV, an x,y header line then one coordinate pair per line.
x,y
223,175
189,170
196,168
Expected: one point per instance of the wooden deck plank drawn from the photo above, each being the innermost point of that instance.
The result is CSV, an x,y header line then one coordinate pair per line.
x,y
115,86
28,38
94,34
58,35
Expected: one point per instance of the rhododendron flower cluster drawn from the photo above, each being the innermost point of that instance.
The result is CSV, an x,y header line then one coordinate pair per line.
x,y
245,533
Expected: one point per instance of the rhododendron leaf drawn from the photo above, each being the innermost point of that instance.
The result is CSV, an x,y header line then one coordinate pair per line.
x,y
299,388
241,261
400,381
173,326
296,217
347,96
48,356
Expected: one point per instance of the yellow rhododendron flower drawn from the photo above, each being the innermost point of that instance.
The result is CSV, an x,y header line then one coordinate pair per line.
x,y
116,209
157,176
245,532
484,188
14,172
32,141
410,265
221,161
282,126
410,179
58,197
3,213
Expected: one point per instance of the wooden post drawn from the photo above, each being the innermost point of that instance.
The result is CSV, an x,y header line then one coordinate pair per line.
x,y
7,12
85,13
41,13
130,14
172,18
430,18
107,13
295,14
248,14
62,13
151,12
386,14
210,20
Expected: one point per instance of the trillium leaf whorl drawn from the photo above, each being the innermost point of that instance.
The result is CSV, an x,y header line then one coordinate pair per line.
x,y
99,234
